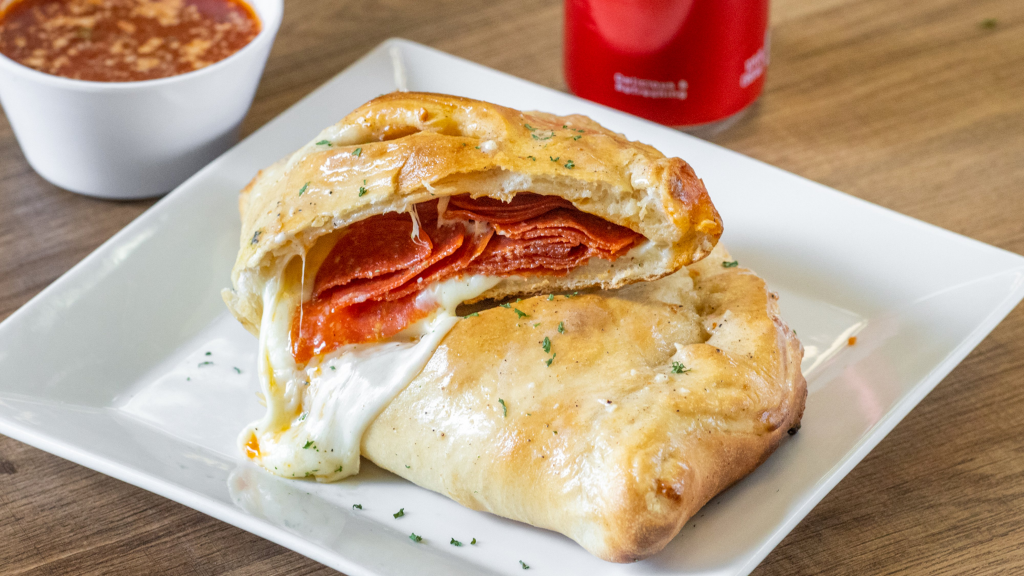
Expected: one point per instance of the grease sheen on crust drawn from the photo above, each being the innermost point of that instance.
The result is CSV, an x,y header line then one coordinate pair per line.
x,y
606,445
405,148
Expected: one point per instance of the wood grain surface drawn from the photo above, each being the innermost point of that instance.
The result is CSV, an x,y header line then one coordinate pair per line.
x,y
916,105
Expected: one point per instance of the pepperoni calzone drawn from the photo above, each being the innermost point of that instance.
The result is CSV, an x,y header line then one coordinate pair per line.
x,y
358,249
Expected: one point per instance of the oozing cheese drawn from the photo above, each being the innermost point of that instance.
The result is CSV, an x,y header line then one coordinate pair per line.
x,y
317,414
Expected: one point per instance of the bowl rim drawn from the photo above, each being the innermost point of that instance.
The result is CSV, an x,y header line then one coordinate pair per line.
x,y
270,20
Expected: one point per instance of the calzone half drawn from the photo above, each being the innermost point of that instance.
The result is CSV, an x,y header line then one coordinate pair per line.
x,y
357,249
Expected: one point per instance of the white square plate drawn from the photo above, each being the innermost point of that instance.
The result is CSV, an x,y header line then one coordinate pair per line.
x,y
102,367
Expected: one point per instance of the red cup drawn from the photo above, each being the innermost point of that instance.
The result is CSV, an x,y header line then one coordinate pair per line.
x,y
684,63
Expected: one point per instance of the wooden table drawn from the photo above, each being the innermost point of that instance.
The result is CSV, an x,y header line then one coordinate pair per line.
x,y
917,105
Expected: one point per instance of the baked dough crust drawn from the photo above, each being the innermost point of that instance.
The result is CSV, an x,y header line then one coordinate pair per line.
x,y
405,148
606,445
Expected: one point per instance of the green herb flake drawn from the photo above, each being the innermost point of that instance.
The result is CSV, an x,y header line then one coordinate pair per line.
x,y
256,237
554,159
333,368
570,164
473,315
473,541
732,264
455,542
415,538
357,152
551,297
530,128
302,417
400,513
534,158
356,506
407,466
577,137
208,354
548,134
535,324
362,190
338,471
324,143
550,360
547,345
988,23
307,444
237,369
207,363
303,189
561,327
678,368
520,313
524,565
477,147
506,305
504,408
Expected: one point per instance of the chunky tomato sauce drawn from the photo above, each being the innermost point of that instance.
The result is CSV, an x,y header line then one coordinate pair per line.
x,y
367,288
124,40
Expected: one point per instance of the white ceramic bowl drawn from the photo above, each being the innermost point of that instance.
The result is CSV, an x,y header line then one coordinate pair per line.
x,y
124,140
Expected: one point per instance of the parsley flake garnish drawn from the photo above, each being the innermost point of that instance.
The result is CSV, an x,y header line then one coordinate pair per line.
x,y
307,445
207,363
303,189
561,327
524,565
357,506
302,417
732,264
554,159
333,368
473,541
534,158
551,297
547,345
362,190
407,466
474,314
504,408
256,237
506,305
678,368
570,164
324,143
577,137
535,324
455,542
552,359
399,514
415,538
237,369
520,313
338,471
530,128
547,135
208,353
357,152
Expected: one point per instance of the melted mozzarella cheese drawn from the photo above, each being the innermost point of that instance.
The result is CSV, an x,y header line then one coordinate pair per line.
x,y
317,414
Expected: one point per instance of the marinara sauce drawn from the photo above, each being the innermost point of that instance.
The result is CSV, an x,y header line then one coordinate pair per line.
x,y
124,40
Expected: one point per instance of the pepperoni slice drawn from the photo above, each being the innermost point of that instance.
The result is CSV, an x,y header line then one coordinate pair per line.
x,y
522,207
372,248
366,290
326,326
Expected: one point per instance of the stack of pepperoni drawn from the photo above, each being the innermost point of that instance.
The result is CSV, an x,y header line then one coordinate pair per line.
x,y
367,287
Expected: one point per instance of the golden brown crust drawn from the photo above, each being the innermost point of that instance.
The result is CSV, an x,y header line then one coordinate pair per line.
x,y
405,148
607,445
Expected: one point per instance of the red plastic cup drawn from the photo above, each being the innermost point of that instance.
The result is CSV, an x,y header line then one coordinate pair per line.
x,y
685,63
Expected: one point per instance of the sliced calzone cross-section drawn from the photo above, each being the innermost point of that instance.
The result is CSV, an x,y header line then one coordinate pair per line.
x,y
357,249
